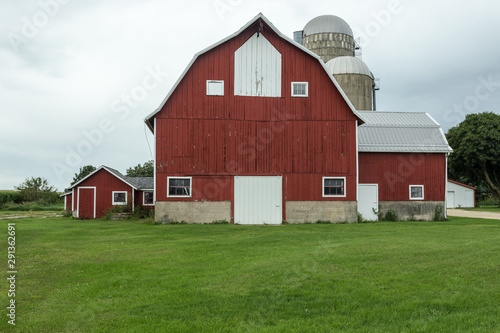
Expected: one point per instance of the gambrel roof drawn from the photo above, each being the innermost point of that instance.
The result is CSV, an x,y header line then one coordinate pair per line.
x,y
401,132
149,119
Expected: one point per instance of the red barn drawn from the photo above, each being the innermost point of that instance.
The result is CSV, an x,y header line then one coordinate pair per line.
x,y
256,131
92,196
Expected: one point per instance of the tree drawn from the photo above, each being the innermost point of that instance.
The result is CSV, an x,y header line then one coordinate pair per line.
x,y
146,170
34,189
84,172
476,151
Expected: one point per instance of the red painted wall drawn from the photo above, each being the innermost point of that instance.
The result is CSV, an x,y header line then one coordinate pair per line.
x,y
200,135
68,200
395,172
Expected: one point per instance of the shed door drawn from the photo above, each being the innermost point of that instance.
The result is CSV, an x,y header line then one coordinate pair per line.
x,y
257,200
368,201
469,198
86,203
450,199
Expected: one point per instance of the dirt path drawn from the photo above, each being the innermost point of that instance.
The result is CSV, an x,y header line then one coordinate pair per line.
x,y
476,214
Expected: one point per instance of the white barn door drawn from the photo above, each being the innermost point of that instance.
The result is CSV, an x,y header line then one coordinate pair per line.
x,y
368,201
258,200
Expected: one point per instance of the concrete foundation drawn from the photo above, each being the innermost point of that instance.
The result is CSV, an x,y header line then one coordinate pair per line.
x,y
192,211
418,210
313,211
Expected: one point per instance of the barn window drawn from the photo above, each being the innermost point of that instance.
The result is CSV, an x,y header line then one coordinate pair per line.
x,y
300,89
333,187
148,198
179,187
215,88
416,192
119,197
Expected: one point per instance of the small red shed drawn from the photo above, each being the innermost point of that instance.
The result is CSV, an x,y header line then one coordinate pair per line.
x,y
92,196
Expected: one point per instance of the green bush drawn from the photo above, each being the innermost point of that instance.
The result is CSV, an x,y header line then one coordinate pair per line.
x,y
390,216
488,202
142,213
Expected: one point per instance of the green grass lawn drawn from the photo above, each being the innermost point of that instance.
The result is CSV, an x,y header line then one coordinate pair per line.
x,y
125,276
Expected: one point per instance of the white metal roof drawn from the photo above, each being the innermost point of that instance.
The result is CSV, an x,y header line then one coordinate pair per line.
x,y
327,23
411,132
348,65
291,41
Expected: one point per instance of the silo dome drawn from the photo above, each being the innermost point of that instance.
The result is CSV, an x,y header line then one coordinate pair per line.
x,y
348,65
355,79
327,23
329,37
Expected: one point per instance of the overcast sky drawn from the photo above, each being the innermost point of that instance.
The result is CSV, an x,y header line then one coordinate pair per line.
x,y
77,78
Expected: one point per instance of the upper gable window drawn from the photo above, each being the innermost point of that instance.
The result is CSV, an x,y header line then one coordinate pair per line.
x,y
257,68
215,88
300,89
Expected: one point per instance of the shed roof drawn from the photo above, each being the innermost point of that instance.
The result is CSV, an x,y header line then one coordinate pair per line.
x,y
138,183
404,132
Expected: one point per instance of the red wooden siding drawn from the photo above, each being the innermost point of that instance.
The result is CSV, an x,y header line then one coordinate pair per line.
x,y
222,136
395,172
105,184
68,200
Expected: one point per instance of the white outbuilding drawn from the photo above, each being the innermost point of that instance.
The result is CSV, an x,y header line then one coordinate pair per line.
x,y
460,195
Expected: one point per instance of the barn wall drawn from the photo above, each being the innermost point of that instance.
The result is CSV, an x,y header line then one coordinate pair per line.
x,y
105,184
395,172
214,138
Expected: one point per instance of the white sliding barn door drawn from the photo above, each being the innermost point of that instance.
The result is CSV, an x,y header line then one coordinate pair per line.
x,y
258,200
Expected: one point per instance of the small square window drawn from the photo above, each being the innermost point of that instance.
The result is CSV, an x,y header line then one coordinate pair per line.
x,y
119,198
179,187
215,88
300,89
148,198
416,192
334,187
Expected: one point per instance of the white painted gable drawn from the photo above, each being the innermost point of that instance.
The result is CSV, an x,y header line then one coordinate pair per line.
x,y
257,68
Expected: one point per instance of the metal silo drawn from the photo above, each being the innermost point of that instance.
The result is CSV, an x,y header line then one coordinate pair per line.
x,y
355,78
328,36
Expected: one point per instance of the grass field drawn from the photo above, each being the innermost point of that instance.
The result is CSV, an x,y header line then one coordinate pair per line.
x,y
125,276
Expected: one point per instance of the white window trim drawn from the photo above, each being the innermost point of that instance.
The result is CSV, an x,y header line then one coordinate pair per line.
x,y
144,198
422,186
180,196
215,81
333,196
119,203
307,89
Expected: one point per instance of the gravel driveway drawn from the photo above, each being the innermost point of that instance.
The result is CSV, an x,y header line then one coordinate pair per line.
x,y
476,214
